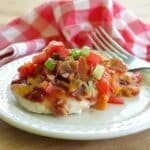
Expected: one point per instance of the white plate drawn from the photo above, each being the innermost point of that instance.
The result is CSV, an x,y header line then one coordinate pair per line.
x,y
117,120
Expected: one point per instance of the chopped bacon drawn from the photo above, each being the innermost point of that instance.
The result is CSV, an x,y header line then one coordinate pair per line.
x,y
118,66
68,66
130,90
115,65
59,109
83,69
37,95
55,92
138,77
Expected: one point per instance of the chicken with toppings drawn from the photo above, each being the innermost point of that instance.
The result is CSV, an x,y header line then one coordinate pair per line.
x,y
63,81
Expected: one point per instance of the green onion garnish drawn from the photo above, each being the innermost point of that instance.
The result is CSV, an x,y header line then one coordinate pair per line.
x,y
50,64
90,88
98,72
85,51
76,53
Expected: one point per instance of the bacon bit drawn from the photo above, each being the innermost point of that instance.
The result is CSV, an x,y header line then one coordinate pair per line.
x,y
130,90
54,91
44,71
49,88
83,69
19,81
58,67
114,85
118,66
44,85
37,95
59,109
68,66
138,77
123,82
115,65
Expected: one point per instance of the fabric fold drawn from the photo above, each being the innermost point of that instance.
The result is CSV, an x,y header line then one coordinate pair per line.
x,y
70,21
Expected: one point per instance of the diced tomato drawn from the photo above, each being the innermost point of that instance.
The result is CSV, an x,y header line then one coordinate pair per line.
x,y
103,86
22,71
102,102
53,44
58,48
62,51
93,59
115,100
40,58
26,69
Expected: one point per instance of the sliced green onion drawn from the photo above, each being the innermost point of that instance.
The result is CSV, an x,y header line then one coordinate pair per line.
x,y
85,51
98,72
50,64
90,88
76,53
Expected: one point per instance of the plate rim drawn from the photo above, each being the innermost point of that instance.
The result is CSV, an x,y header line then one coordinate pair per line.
x,y
69,136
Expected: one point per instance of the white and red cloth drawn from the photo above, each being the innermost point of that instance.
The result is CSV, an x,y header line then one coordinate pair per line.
x,y
69,21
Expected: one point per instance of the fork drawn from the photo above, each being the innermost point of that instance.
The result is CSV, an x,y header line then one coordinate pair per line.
x,y
111,49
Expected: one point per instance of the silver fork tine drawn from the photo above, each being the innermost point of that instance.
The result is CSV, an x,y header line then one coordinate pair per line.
x,y
109,45
98,40
115,44
98,47
103,53
101,39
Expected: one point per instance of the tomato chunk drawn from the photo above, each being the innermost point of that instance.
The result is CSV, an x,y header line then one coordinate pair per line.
x,y
62,51
103,86
26,69
102,102
115,100
93,59
54,44
40,58
57,48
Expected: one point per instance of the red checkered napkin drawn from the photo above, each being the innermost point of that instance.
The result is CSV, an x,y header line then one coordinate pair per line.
x,y
69,21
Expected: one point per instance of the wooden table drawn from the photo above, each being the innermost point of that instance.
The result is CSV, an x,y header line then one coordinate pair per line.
x,y
14,139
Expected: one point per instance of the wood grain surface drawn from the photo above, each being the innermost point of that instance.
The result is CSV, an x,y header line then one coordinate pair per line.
x,y
14,139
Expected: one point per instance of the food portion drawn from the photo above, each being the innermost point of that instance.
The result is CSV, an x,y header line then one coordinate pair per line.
x,y
61,81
